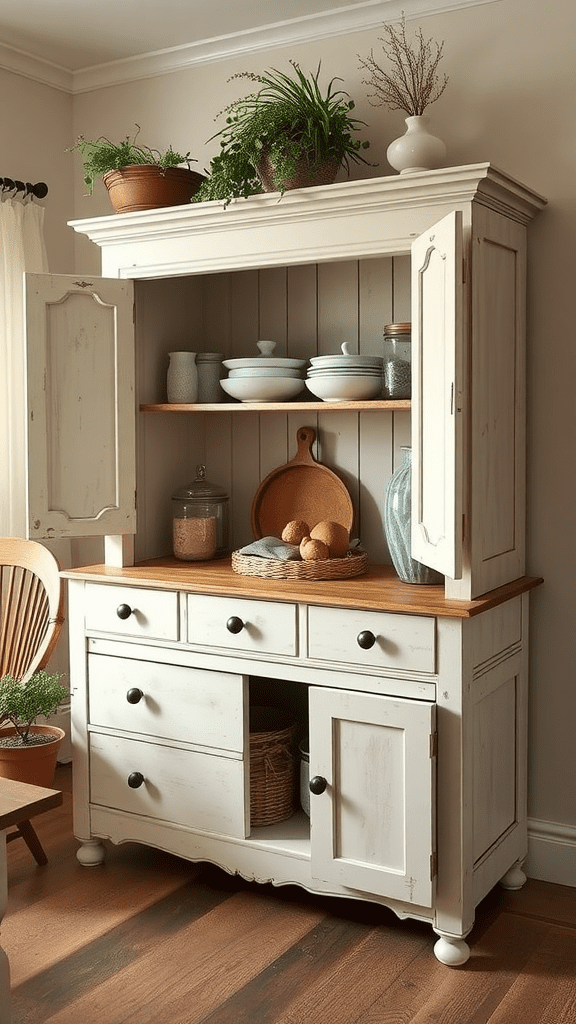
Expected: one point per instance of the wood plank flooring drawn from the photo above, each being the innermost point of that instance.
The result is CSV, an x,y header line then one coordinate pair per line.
x,y
151,938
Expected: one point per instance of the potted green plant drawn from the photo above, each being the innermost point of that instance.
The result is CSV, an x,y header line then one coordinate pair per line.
x,y
28,752
287,134
136,176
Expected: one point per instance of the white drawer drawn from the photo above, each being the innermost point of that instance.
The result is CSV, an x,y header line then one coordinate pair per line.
x,y
168,701
198,791
132,611
263,626
395,641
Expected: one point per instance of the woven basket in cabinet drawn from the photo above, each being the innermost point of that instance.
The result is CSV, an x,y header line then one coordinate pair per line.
x,y
272,766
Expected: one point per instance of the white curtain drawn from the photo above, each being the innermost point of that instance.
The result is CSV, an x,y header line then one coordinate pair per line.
x,y
22,248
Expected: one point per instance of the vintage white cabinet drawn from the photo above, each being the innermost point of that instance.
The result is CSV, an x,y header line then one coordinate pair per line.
x,y
417,741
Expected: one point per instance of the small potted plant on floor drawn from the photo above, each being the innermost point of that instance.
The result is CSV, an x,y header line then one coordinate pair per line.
x,y
136,176
287,134
28,752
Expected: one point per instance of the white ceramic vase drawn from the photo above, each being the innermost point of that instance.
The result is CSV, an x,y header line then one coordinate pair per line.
x,y
417,149
182,378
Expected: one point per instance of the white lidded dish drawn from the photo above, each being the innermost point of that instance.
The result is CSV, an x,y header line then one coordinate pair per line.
x,y
265,359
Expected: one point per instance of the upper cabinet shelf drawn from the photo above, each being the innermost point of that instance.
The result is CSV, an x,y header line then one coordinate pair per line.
x,y
374,405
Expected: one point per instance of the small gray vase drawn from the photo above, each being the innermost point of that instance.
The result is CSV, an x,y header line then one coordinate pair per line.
x,y
397,523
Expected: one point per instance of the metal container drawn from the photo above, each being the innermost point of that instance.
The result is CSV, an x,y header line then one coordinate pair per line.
x,y
199,520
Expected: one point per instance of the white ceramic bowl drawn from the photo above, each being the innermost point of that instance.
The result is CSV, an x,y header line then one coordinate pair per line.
x,y
348,372
341,361
264,371
263,389
345,389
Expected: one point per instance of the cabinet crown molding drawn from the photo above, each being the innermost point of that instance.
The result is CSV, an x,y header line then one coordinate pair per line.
x,y
311,224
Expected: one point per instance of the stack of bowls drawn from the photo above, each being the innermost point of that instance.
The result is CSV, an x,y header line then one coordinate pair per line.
x,y
264,378
346,377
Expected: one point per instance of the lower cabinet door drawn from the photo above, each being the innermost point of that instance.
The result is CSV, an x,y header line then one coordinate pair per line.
x,y
372,817
201,791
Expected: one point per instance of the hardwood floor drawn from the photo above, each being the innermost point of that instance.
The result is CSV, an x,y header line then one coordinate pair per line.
x,y
150,938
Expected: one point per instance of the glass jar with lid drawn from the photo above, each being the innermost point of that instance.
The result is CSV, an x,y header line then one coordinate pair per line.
x,y
397,360
199,520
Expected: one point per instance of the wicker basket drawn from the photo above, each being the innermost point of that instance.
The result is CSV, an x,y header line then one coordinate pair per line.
x,y
322,173
272,766
307,569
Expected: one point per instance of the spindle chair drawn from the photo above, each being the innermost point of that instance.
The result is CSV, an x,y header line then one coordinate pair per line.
x,y
31,618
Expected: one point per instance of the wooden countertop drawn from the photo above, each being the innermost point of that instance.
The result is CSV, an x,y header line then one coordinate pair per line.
x,y
379,589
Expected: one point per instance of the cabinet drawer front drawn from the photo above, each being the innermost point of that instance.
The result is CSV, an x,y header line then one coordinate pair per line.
x,y
184,704
196,790
264,627
400,641
148,613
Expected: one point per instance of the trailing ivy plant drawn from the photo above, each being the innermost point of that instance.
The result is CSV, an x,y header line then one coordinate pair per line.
x,y
21,703
289,119
101,155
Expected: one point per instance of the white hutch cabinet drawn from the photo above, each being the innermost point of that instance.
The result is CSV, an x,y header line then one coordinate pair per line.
x,y
418,731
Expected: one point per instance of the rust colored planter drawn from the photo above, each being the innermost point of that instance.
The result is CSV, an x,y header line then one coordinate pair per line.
x,y
32,764
148,186
323,173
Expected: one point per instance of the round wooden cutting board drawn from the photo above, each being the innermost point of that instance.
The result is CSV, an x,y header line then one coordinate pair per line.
x,y
301,489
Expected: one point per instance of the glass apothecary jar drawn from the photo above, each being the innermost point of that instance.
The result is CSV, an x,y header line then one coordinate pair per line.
x,y
199,520
397,361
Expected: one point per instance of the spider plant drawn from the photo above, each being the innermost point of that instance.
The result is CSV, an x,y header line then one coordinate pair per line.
x,y
289,119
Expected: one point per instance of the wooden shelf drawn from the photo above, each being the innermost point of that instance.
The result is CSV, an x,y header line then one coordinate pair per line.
x,y
374,405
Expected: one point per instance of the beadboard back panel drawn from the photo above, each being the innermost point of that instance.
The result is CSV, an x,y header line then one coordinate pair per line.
x,y
307,310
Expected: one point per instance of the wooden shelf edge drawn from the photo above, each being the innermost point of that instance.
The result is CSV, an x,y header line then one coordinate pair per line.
x,y
374,405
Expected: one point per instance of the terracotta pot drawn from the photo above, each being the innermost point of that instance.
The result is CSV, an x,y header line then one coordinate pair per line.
x,y
35,765
148,186
323,173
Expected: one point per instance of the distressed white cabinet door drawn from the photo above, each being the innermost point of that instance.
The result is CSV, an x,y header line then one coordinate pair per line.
x,y
81,412
437,351
373,827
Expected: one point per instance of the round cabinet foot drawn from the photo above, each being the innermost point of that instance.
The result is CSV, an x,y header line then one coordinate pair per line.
x,y
450,951
91,853
514,878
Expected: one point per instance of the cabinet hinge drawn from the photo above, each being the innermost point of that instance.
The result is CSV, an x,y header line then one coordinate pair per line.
x,y
433,744
433,865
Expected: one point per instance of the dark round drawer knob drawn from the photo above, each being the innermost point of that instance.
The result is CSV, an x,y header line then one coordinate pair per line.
x,y
234,624
135,780
123,611
134,695
366,639
317,784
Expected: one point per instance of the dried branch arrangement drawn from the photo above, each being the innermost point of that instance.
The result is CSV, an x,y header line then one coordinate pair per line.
x,y
413,81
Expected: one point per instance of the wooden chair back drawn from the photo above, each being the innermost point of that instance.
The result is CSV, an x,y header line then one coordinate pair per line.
x,y
31,606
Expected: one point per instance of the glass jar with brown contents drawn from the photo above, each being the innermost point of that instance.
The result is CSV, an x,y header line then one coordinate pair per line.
x,y
199,520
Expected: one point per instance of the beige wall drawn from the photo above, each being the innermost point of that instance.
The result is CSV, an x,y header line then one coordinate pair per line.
x,y
510,100
35,128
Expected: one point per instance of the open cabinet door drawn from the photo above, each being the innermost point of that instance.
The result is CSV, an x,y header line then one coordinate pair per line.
x,y
80,411
437,355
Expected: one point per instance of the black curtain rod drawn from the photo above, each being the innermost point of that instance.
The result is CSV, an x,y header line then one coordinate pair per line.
x,y
39,190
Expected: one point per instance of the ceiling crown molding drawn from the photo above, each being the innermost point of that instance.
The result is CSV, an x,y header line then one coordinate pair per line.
x,y
38,70
371,14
